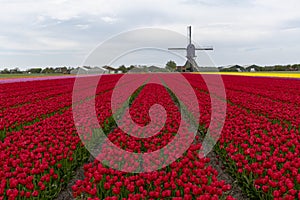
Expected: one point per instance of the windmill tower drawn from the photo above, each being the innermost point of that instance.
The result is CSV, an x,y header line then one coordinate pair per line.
x,y
191,52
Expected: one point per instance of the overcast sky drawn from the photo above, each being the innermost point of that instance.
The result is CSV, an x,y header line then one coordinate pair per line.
x,y
61,32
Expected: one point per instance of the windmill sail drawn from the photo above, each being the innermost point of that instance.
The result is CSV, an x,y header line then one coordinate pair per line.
x,y
189,33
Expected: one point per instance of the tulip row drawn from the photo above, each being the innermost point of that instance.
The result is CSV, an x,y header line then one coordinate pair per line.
x,y
275,104
188,177
261,154
278,88
38,160
259,143
38,106
13,95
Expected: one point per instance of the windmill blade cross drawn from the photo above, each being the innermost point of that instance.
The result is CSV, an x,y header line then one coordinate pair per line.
x,y
190,51
176,48
189,34
205,48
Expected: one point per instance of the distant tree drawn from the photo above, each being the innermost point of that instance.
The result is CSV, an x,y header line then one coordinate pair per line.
x,y
280,68
268,68
48,70
229,70
296,67
144,68
44,71
69,70
35,70
5,71
61,69
171,66
15,70
123,69
131,67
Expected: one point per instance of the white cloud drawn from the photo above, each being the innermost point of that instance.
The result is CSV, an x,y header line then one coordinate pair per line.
x,y
110,20
82,26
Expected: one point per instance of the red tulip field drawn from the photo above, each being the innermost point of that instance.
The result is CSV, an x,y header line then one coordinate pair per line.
x,y
41,150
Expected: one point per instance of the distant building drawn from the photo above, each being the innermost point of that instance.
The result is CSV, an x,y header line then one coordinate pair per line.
x,y
62,70
180,68
138,70
232,68
83,70
110,69
98,70
89,70
188,67
252,68
156,69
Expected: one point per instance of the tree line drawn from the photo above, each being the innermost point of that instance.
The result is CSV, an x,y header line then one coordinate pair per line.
x,y
170,66
235,68
47,70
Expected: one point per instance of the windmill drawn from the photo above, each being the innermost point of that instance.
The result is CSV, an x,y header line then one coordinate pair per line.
x,y
191,52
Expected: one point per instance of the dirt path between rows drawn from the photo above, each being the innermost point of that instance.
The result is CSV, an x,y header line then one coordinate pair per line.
x,y
235,190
